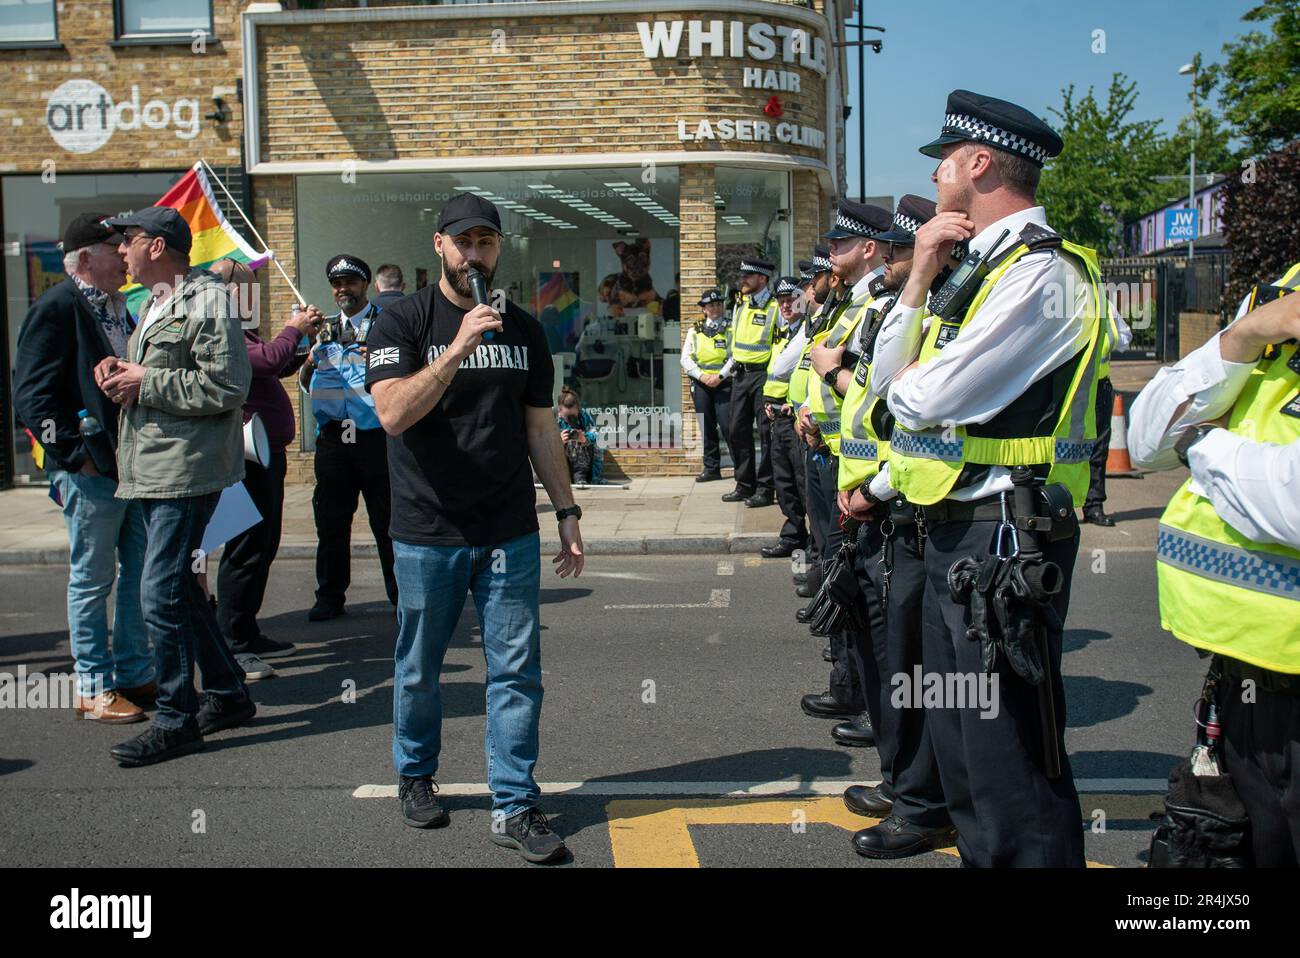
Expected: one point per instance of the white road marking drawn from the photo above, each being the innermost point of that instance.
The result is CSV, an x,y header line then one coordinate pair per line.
x,y
633,576
718,599
793,789
726,567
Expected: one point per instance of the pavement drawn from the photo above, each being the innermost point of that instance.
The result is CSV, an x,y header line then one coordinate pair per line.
x,y
645,516
671,731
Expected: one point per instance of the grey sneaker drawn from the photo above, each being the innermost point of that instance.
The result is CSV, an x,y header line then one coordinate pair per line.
x,y
529,834
254,668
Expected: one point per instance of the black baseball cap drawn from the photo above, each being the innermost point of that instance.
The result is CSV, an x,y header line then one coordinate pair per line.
x,y
345,264
162,221
464,211
997,123
87,230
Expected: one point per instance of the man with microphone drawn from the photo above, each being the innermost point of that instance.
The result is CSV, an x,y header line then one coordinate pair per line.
x,y
462,382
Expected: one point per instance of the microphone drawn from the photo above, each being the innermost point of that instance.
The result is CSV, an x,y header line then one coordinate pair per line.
x,y
478,286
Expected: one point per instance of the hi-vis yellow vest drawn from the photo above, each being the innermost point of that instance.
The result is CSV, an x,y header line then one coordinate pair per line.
x,y
751,330
778,387
799,378
823,401
863,450
925,466
711,351
1219,590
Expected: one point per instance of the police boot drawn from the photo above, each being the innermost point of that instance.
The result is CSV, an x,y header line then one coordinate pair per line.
x,y
735,495
825,705
869,800
895,838
856,732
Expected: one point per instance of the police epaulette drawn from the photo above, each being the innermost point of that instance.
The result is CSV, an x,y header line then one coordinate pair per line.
x,y
1039,237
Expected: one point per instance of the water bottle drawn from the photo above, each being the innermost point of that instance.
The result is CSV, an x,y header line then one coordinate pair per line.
x,y
97,443
304,342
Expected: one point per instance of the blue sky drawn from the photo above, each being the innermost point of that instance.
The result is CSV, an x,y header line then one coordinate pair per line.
x,y
1027,54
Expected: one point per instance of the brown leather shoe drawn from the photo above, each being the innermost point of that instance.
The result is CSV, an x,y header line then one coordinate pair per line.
x,y
141,695
111,708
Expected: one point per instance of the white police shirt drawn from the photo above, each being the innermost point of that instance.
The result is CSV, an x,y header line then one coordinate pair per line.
x,y
1018,337
1250,484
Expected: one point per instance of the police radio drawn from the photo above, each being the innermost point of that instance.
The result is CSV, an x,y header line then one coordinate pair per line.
x,y
478,286
960,288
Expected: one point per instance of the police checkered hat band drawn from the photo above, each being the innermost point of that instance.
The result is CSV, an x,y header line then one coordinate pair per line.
x,y
973,128
762,266
786,286
821,263
347,265
712,296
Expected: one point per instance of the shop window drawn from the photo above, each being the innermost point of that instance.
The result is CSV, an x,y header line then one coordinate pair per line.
x,y
35,216
753,219
593,254
27,21
163,18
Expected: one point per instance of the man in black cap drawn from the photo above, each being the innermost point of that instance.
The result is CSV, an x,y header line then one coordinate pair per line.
x,y
351,458
993,403
464,390
65,335
753,323
181,389
704,357
786,449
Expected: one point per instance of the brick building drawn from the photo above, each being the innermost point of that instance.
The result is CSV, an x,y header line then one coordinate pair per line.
x,y
634,149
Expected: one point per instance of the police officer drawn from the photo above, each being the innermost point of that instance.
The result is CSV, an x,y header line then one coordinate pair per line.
x,y
891,573
993,402
703,358
858,261
786,449
1228,550
351,450
753,323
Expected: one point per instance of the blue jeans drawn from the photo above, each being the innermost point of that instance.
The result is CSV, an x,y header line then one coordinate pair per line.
x,y
180,621
106,542
505,580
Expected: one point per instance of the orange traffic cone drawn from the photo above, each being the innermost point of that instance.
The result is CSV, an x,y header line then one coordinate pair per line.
x,y
1118,463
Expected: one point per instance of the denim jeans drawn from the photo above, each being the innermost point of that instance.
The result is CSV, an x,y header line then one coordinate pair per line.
x,y
181,622
505,580
106,542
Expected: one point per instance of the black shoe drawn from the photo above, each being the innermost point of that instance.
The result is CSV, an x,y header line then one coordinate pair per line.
x,y
804,590
219,712
323,611
736,495
529,834
801,616
867,800
1097,517
265,648
782,550
826,705
895,838
419,808
828,655
856,733
157,744
760,499
709,475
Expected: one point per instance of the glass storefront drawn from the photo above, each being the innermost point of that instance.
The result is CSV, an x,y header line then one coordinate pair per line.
x,y
591,253
753,219
36,212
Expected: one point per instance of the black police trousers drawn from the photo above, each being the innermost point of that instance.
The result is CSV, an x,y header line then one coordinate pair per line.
x,y
712,409
863,648
909,772
788,476
344,470
1260,749
1097,465
746,410
1007,811
823,512
246,560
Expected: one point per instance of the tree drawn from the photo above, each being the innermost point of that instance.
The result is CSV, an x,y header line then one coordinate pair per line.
x,y
1261,79
1261,221
1105,173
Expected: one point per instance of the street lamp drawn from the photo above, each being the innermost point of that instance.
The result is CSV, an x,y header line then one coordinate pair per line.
x,y
1185,70
861,26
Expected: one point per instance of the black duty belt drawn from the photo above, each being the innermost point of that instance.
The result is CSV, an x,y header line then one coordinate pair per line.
x,y
901,512
1267,679
753,367
988,509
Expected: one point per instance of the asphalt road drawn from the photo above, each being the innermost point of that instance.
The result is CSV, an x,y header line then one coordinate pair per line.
x,y
727,675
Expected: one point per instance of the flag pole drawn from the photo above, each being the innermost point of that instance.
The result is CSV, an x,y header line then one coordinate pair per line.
x,y
265,249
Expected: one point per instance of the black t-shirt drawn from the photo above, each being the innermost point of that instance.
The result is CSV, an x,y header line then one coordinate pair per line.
x,y
461,475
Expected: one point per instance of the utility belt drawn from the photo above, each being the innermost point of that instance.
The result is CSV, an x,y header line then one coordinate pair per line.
x,y
1281,683
754,367
1052,516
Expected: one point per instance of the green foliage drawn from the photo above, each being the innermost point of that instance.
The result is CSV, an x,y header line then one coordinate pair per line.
x,y
1261,221
1261,78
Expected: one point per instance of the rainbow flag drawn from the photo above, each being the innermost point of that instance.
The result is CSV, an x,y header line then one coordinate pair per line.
x,y
214,237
